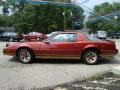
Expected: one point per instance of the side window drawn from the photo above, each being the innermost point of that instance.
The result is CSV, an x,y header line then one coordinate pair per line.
x,y
63,38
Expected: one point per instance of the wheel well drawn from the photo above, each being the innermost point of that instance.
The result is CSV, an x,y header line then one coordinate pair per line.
x,y
95,49
24,48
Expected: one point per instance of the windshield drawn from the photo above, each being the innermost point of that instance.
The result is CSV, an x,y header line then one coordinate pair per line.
x,y
51,34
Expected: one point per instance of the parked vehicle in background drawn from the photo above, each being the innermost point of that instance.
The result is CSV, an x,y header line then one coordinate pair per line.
x,y
63,45
34,36
10,36
116,35
113,35
102,35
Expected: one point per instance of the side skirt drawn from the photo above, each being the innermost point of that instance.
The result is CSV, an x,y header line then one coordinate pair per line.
x,y
57,57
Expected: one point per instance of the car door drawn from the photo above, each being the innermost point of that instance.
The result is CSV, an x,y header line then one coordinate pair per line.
x,y
62,45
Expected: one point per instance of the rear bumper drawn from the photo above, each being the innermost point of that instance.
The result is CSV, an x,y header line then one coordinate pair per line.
x,y
112,53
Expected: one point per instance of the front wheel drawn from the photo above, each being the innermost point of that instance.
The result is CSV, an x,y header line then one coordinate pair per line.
x,y
25,56
91,57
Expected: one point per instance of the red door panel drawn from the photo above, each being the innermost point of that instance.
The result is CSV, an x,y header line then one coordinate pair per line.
x,y
59,49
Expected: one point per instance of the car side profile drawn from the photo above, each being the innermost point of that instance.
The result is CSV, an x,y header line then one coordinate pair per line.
x,y
63,45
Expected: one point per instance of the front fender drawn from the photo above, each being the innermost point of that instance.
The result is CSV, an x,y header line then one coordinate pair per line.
x,y
32,46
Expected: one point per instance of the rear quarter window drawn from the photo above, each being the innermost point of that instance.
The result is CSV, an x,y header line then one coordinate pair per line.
x,y
93,38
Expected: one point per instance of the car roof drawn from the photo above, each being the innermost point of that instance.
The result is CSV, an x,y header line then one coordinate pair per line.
x,y
68,32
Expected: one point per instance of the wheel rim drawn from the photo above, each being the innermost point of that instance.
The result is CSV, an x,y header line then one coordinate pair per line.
x,y
91,57
25,56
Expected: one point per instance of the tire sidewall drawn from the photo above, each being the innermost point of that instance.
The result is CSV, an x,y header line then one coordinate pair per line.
x,y
27,50
86,61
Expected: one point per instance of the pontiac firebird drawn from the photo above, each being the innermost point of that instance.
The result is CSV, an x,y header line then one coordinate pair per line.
x,y
63,45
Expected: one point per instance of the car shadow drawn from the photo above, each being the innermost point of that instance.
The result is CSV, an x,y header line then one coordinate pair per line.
x,y
68,61
57,61
14,59
111,60
49,61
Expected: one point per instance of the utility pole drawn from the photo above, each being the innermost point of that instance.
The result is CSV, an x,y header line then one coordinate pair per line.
x,y
73,18
64,14
116,18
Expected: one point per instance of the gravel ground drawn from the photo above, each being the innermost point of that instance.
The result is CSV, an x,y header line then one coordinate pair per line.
x,y
104,81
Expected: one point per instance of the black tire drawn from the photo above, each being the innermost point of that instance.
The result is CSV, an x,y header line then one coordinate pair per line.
x,y
25,55
91,57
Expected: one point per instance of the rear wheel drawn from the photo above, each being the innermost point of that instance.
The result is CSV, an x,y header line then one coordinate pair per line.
x,y
25,56
91,57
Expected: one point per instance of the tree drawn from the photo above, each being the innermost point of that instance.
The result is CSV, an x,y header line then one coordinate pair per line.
x,y
5,6
99,23
43,18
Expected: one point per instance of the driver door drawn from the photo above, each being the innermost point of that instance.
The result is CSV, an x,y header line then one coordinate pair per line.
x,y
62,45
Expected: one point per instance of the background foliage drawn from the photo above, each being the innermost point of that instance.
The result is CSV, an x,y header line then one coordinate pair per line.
x,y
42,18
109,24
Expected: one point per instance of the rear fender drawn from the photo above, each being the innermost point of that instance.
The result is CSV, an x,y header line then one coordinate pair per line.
x,y
92,47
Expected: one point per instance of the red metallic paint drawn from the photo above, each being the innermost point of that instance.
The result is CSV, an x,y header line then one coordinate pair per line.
x,y
72,50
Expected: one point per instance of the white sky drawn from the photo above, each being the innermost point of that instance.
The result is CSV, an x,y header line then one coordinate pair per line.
x,y
92,3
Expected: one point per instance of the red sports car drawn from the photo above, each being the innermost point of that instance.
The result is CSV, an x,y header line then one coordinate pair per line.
x,y
63,45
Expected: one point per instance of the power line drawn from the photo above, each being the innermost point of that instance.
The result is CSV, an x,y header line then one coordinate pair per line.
x,y
84,1
37,2
98,14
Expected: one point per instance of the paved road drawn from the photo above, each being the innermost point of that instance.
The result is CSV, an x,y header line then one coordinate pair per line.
x,y
44,73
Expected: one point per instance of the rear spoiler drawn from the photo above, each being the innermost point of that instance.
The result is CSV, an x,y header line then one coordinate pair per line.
x,y
111,41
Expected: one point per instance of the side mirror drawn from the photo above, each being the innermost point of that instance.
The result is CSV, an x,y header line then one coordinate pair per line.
x,y
46,42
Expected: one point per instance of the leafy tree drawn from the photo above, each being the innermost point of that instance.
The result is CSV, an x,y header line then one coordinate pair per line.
x,y
45,18
42,18
5,6
100,23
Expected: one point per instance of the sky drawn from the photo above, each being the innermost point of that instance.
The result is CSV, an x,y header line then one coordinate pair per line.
x,y
92,3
